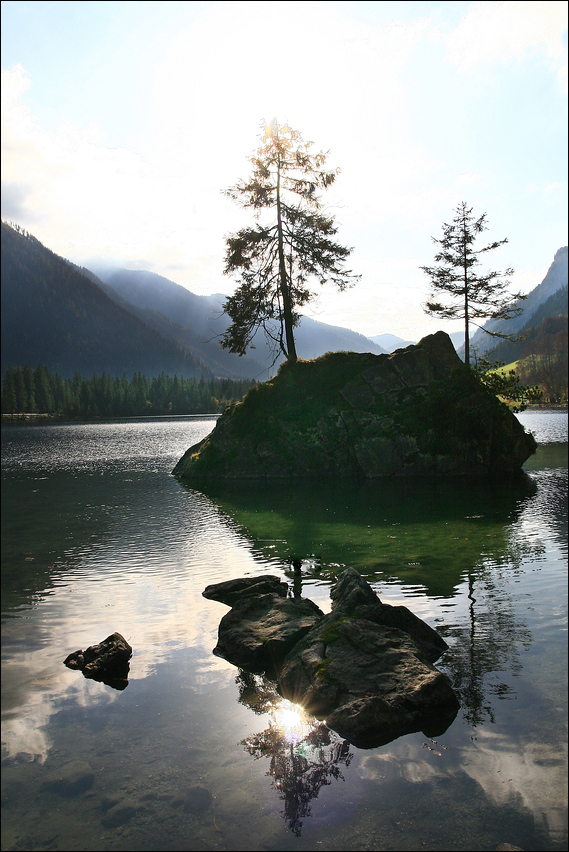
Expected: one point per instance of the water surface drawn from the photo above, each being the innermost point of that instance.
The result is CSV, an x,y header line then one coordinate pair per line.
x,y
97,536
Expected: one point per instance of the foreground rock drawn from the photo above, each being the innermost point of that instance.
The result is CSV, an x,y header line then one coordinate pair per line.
x,y
417,412
366,667
107,662
232,591
259,631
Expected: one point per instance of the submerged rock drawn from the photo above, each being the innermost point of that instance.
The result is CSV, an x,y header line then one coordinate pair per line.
x,y
107,662
198,800
417,412
366,667
120,813
72,779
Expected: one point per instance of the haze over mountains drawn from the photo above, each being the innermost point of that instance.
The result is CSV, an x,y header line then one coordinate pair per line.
x,y
69,319
200,321
125,321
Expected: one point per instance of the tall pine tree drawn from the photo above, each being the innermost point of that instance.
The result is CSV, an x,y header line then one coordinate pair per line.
x,y
464,293
292,243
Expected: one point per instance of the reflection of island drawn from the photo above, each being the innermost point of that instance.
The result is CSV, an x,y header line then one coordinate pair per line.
x,y
417,531
304,754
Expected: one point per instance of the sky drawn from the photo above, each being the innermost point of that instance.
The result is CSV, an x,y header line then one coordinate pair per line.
x,y
123,122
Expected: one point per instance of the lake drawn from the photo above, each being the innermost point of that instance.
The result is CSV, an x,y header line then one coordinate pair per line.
x,y
98,537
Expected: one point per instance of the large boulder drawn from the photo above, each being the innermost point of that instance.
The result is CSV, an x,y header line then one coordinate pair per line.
x,y
259,631
417,412
366,667
353,597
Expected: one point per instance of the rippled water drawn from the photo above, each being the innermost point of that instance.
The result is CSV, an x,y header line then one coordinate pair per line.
x,y
97,536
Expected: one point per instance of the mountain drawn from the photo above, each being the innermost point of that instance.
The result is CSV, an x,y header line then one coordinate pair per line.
x,y
555,279
548,321
69,319
200,321
389,342
54,315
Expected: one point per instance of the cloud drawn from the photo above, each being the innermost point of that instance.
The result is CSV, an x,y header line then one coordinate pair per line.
x,y
467,178
78,193
493,31
14,207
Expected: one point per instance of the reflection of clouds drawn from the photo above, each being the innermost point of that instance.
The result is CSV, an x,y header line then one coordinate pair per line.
x,y
47,687
532,774
386,767
23,736
535,773
152,597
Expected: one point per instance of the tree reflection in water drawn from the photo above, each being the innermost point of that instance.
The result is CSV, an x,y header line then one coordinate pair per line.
x,y
304,754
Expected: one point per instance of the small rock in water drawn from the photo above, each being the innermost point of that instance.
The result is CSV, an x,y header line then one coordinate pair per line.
x,y
74,778
198,800
119,814
107,662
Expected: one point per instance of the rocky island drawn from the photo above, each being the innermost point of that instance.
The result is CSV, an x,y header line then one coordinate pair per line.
x,y
366,667
417,412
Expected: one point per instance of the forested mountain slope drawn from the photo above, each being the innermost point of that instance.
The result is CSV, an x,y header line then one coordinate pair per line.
x,y
549,319
54,315
201,321
555,279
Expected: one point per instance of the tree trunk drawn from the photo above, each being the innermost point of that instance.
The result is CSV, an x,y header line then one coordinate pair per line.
x,y
285,292
465,265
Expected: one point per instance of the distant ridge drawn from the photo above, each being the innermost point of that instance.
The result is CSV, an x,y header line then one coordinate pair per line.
x,y
54,315
390,342
71,320
200,320
556,278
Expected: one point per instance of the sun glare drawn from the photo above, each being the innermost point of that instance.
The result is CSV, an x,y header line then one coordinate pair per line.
x,y
292,720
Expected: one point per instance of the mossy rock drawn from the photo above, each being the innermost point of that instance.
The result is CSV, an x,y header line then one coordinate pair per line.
x,y
419,411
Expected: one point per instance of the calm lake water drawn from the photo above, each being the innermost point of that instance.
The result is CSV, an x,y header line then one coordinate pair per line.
x,y
98,536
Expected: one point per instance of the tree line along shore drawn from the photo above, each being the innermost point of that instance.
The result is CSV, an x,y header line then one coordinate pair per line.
x,y
26,391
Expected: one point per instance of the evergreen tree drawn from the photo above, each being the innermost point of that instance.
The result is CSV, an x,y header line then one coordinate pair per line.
x,y
44,396
468,295
9,405
276,258
30,385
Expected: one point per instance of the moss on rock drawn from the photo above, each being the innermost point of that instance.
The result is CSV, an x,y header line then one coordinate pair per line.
x,y
418,411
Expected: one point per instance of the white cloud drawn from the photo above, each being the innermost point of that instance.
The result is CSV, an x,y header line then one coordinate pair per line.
x,y
14,83
467,178
493,31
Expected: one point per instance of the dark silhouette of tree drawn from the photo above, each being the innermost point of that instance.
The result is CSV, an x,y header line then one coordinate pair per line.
x,y
462,292
276,260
